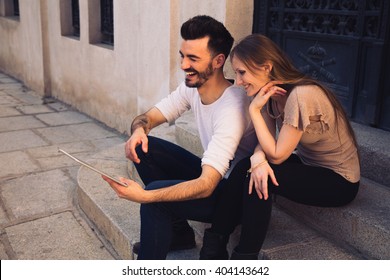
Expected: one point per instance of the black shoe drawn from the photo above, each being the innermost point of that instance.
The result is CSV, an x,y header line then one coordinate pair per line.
x,y
214,246
244,256
136,247
180,241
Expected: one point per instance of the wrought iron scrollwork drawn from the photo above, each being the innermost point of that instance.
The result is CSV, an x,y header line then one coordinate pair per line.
x,y
333,17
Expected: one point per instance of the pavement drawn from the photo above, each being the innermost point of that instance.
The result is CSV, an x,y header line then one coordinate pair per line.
x,y
39,215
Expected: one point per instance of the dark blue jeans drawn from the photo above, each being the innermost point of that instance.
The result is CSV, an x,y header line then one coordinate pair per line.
x,y
164,165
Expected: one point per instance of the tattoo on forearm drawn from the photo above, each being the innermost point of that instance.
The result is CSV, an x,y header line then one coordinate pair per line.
x,y
140,121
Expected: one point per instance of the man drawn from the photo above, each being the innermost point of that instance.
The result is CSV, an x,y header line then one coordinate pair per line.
x,y
179,185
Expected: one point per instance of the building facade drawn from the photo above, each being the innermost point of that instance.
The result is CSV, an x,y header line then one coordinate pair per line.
x,y
110,59
114,59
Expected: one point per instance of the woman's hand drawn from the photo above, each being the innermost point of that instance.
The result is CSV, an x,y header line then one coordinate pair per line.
x,y
265,93
259,179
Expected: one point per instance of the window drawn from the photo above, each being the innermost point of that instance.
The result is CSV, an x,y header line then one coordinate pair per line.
x,y
70,18
16,8
9,8
76,18
107,21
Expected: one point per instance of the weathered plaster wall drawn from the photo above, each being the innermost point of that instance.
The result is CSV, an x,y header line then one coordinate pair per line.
x,y
111,84
21,46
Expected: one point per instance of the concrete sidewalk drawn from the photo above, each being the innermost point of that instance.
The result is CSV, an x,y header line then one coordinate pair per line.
x,y
39,214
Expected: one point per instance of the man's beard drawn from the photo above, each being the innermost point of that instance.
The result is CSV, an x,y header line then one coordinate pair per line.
x,y
202,77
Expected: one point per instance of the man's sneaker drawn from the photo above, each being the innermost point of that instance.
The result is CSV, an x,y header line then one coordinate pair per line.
x,y
179,242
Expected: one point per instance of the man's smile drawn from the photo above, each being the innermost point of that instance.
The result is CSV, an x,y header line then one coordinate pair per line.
x,y
190,73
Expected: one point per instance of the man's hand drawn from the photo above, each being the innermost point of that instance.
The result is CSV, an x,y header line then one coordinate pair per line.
x,y
133,191
140,129
138,137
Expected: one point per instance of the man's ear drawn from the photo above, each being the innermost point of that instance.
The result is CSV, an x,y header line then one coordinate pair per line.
x,y
219,61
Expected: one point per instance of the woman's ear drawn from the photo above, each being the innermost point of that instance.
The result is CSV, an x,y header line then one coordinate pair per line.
x,y
268,66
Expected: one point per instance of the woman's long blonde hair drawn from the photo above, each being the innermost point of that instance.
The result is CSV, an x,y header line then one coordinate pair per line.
x,y
255,50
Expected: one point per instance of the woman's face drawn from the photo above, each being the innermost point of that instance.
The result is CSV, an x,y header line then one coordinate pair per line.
x,y
252,81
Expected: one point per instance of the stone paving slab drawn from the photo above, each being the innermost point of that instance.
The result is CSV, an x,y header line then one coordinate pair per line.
x,y
51,151
8,111
34,109
3,254
16,163
58,106
63,118
57,237
38,194
62,161
74,133
103,143
19,123
3,216
20,140
7,80
25,96
6,100
11,86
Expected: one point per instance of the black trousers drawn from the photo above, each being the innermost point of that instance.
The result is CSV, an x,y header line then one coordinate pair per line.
x,y
310,185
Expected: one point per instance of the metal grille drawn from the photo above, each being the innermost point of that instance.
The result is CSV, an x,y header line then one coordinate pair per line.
x,y
107,21
76,18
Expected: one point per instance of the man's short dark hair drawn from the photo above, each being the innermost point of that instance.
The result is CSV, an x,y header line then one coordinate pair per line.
x,y
198,27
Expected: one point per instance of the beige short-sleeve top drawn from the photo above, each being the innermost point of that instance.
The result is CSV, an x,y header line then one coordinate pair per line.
x,y
323,143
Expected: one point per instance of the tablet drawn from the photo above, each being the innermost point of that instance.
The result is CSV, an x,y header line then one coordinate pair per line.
x,y
92,168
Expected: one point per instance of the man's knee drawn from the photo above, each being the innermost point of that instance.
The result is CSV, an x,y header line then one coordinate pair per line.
x,y
152,143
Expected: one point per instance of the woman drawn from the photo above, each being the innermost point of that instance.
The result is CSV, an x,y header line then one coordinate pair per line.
x,y
307,149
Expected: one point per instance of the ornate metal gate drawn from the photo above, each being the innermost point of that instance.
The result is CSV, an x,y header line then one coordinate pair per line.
x,y
344,43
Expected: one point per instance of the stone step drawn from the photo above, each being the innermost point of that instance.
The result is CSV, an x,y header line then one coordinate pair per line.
x,y
374,148
364,224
